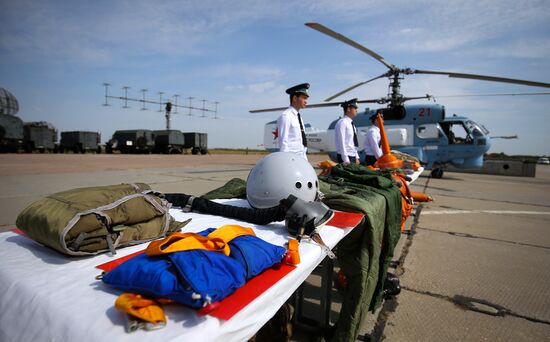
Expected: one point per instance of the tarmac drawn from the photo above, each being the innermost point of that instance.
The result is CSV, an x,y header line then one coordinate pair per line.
x,y
474,263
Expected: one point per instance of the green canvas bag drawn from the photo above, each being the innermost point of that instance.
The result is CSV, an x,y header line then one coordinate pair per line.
x,y
88,221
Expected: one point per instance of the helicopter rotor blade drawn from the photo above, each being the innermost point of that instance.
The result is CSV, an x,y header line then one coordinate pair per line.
x,y
316,105
346,40
354,86
484,78
279,109
266,110
497,94
427,96
381,100
515,136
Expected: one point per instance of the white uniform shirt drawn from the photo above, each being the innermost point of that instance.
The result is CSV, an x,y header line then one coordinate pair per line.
x,y
345,146
289,133
372,142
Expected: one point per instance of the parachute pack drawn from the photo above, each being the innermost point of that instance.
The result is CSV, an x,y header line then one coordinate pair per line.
x,y
88,221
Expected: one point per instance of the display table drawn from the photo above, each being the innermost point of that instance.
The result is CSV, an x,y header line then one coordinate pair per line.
x,y
47,296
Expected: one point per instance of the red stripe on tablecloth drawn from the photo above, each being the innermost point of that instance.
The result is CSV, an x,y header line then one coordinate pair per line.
x,y
245,294
114,263
342,219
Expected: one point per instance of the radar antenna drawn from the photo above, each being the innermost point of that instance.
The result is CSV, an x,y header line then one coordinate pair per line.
x,y
164,106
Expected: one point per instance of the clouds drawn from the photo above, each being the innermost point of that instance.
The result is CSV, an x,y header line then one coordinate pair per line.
x,y
112,29
435,26
125,29
246,53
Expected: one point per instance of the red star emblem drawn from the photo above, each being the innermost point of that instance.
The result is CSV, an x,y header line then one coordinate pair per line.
x,y
275,133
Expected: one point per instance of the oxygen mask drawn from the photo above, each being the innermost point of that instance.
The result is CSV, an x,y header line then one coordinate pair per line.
x,y
302,218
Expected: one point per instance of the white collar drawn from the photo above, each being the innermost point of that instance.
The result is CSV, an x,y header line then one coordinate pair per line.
x,y
293,110
347,118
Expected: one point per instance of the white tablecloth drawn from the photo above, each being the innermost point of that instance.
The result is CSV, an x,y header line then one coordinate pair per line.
x,y
46,296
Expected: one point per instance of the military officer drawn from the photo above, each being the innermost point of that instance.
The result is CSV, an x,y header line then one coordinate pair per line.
x,y
346,135
372,142
290,127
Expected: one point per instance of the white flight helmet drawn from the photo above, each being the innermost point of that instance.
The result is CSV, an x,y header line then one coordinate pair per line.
x,y
278,175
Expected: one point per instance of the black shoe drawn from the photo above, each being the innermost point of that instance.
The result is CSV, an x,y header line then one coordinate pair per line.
x,y
392,286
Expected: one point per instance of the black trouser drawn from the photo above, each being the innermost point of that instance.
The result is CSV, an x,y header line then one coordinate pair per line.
x,y
370,160
340,160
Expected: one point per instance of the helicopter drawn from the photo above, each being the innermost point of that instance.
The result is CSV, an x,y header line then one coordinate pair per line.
x,y
424,131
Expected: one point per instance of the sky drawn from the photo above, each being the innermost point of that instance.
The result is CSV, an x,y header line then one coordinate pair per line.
x,y
55,56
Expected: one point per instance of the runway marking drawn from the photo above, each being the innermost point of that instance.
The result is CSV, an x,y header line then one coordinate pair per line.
x,y
470,236
453,212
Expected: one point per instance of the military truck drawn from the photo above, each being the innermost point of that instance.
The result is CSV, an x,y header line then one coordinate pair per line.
x,y
197,142
80,142
168,141
11,133
131,141
39,135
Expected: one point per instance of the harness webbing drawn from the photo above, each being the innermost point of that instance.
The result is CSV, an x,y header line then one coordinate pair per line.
x,y
217,241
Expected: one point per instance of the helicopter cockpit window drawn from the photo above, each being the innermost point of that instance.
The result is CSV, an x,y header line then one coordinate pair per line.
x,y
459,134
427,131
477,130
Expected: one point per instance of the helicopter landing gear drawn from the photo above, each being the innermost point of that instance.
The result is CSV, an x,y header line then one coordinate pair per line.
x,y
437,173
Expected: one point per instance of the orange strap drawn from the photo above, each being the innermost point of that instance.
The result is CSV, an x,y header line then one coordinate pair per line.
x,y
142,308
217,241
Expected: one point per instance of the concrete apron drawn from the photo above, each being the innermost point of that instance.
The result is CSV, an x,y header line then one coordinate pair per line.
x,y
475,267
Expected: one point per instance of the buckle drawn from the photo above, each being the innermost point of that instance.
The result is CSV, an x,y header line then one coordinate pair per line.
x,y
188,207
133,324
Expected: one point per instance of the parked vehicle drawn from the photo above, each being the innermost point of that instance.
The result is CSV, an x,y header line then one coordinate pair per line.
x,y
80,141
131,141
197,142
543,161
40,135
11,133
11,127
169,141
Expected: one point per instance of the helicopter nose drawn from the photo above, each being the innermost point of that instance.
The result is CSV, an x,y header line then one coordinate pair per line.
x,y
484,143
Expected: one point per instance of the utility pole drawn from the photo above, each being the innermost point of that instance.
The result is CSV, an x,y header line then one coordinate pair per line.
x,y
168,109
